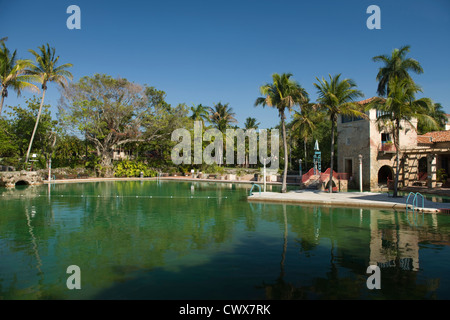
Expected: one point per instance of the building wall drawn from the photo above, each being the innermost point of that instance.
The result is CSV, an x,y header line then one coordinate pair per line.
x,y
363,137
353,140
408,139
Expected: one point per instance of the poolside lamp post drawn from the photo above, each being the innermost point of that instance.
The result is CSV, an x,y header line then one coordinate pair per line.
x,y
264,161
317,161
49,170
360,173
264,175
300,168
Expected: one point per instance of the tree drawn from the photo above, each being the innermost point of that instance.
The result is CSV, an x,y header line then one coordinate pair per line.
x,y
283,93
221,115
402,106
68,151
115,112
199,113
396,65
438,114
304,124
45,70
13,73
337,97
8,146
251,123
19,128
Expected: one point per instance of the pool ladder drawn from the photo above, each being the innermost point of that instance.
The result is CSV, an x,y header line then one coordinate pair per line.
x,y
415,208
415,200
257,185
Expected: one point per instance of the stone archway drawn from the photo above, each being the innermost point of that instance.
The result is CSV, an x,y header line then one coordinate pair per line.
x,y
384,174
11,179
22,183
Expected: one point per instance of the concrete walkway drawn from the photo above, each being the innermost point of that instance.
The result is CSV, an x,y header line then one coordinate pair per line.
x,y
346,199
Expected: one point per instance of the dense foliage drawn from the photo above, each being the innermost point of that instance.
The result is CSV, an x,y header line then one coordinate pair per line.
x,y
113,126
127,168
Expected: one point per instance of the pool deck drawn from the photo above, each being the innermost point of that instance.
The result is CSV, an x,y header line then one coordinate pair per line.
x,y
346,199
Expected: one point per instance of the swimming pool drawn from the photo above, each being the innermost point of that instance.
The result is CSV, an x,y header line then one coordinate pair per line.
x,y
183,240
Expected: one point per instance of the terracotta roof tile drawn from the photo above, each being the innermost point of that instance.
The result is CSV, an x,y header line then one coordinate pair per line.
x,y
366,101
424,140
436,136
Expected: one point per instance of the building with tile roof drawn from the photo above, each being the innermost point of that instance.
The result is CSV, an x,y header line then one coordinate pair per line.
x,y
422,157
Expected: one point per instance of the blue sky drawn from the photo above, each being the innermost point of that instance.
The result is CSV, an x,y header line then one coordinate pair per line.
x,y
223,51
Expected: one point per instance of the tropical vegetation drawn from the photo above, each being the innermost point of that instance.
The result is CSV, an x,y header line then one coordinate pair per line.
x,y
282,94
114,126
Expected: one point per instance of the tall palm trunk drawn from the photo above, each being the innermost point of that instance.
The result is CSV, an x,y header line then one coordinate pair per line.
x,y
283,186
1,104
36,125
4,94
330,185
304,143
397,147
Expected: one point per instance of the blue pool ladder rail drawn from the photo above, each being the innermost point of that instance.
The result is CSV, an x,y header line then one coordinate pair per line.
x,y
415,200
257,185
415,207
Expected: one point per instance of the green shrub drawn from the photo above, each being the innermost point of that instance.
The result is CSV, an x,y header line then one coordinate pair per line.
x,y
442,175
220,170
211,168
240,172
128,168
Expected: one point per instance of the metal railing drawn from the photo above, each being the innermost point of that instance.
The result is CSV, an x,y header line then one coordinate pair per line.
x,y
257,185
387,147
415,209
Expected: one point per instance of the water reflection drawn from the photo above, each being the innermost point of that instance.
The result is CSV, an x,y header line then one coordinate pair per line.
x,y
252,250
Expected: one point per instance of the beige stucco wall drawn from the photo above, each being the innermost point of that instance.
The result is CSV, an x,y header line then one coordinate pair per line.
x,y
363,137
353,140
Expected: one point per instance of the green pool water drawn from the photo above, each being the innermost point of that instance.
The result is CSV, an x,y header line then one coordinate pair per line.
x,y
180,240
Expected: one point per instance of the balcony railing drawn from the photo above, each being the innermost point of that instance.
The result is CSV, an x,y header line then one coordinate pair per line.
x,y
387,148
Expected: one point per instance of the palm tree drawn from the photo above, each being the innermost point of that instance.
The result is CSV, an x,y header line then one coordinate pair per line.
x,y
402,106
304,124
221,115
199,113
45,69
338,97
282,94
396,65
13,73
251,123
438,114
